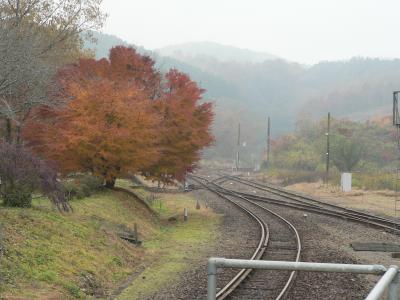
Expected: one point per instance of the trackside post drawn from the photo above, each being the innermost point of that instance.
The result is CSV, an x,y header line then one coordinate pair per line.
x,y
390,279
212,279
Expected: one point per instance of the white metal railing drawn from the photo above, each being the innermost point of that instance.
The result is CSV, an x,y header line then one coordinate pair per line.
x,y
389,280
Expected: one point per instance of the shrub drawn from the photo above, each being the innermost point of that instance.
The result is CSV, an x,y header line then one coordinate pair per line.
x,y
22,173
81,187
288,177
374,181
17,196
85,190
73,289
70,189
90,182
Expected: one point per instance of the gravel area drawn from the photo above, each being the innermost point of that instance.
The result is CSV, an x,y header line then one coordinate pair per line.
x,y
324,239
327,239
236,240
320,244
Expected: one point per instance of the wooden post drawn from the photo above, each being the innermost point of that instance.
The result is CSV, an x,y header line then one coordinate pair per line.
x,y
197,204
268,141
1,241
185,214
327,148
238,150
135,231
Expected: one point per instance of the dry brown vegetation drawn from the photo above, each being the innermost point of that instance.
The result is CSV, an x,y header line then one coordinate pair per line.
x,y
378,202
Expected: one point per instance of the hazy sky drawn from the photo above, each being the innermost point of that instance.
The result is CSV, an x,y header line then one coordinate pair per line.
x,y
305,31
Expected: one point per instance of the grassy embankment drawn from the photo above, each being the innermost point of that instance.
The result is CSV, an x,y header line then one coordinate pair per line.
x,y
48,255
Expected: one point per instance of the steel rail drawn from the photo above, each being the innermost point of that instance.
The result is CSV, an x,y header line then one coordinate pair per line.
x,y
290,280
283,192
319,210
259,251
339,211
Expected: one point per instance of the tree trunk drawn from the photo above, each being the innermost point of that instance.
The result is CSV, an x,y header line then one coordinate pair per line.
x,y
18,135
110,183
8,131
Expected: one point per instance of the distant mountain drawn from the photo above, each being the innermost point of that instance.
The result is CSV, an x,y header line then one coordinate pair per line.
x,y
248,86
223,53
103,43
357,88
214,85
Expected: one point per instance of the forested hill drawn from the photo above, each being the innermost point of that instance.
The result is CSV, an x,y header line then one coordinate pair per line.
x,y
188,51
257,85
103,43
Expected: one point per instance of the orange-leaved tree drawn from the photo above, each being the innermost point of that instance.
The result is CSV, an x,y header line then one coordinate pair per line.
x,y
185,130
123,117
108,126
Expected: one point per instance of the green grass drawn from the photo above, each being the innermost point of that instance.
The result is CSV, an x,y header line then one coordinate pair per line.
x,y
72,256
374,181
174,248
45,248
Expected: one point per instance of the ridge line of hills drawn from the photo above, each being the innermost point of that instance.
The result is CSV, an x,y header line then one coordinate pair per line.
x,y
255,85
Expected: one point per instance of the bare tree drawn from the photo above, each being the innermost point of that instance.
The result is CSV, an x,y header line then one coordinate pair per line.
x,y
22,173
36,37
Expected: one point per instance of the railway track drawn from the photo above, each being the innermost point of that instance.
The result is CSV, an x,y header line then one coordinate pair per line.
x,y
282,197
279,240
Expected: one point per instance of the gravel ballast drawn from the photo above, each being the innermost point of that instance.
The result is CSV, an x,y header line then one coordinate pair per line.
x,y
324,239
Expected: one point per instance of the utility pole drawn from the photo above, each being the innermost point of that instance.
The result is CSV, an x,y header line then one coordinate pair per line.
x,y
238,147
268,141
327,148
396,122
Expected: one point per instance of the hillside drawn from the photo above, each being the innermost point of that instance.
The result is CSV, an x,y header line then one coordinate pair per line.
x,y
224,53
103,43
247,87
49,255
367,149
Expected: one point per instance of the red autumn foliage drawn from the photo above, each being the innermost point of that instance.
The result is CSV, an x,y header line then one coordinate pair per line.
x,y
185,128
122,117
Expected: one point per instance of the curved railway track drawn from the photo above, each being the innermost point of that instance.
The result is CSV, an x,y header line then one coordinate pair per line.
x,y
279,240
282,197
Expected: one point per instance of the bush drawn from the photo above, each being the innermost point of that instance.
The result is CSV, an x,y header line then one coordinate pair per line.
x,y
18,196
91,183
22,173
70,189
81,187
374,181
288,177
85,190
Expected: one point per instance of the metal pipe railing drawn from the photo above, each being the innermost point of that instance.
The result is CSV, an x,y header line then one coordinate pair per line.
x,y
389,279
383,283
